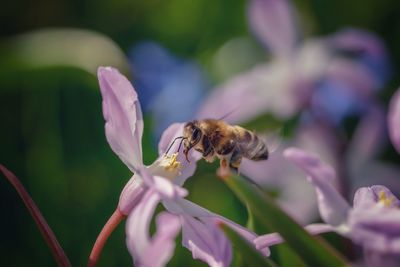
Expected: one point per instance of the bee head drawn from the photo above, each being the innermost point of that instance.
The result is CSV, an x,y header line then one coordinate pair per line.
x,y
192,134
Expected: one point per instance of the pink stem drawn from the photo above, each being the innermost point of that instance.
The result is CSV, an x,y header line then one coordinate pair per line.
x,y
102,238
37,216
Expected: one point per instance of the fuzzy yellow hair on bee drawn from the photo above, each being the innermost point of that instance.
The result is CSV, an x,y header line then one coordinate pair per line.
x,y
218,139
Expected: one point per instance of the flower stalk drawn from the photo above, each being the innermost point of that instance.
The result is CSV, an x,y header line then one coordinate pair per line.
x,y
116,218
48,235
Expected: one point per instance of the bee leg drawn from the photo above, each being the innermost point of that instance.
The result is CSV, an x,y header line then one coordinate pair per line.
x,y
223,170
235,161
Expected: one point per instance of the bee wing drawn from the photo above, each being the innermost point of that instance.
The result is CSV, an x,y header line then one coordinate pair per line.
x,y
275,140
229,113
272,139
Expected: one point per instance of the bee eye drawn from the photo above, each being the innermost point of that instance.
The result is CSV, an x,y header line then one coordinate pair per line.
x,y
196,134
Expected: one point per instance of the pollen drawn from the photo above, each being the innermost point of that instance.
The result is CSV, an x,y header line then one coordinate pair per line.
x,y
385,200
170,162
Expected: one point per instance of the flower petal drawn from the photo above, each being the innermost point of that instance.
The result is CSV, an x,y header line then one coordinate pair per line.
x,y
268,240
123,116
366,48
295,195
239,99
394,120
373,258
332,206
162,245
266,88
272,22
348,89
206,241
358,40
367,197
187,168
131,194
138,223
365,147
356,76
376,228
167,189
364,198
183,206
164,187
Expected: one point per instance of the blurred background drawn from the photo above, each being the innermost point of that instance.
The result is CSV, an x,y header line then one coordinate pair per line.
x,y
175,52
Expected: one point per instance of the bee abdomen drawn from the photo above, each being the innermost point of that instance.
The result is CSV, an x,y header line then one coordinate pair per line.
x,y
253,147
261,153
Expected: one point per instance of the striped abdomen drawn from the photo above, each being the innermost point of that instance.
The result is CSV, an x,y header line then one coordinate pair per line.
x,y
250,145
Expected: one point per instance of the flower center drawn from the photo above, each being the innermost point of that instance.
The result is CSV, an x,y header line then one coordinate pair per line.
x,y
385,200
170,162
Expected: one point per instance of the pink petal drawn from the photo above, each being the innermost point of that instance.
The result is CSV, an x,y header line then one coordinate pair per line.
x,y
295,195
265,88
358,78
131,194
374,258
188,168
394,120
206,241
164,187
237,100
167,189
183,206
307,67
359,40
367,197
173,131
268,240
272,22
364,198
162,245
367,140
332,206
123,116
376,228
138,223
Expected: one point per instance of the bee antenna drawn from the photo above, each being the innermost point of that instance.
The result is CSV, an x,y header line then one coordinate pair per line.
x,y
173,142
180,144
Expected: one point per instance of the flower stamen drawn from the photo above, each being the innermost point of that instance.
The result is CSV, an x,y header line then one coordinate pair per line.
x,y
170,162
385,200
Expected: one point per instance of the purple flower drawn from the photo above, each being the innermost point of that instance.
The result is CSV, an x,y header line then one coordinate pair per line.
x,y
374,220
394,120
291,81
356,165
159,182
294,194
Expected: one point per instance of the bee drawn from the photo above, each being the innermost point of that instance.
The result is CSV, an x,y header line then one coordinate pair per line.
x,y
230,143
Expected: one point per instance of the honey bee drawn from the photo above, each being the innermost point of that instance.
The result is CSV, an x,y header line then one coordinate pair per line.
x,y
230,143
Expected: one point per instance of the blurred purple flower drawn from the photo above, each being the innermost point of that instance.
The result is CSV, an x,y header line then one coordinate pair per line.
x,y
170,88
291,81
374,220
294,194
159,182
355,161
367,49
394,120
362,168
